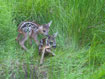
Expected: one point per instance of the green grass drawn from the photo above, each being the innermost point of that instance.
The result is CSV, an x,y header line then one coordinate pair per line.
x,y
80,42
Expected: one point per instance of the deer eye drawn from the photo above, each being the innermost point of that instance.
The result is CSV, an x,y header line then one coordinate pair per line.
x,y
44,31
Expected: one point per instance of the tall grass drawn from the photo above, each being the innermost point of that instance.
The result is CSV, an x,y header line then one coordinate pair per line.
x,y
80,24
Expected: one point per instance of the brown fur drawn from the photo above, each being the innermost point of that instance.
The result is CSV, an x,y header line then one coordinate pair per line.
x,y
45,46
33,32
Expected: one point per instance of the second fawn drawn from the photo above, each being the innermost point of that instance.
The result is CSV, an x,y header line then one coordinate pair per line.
x,y
45,46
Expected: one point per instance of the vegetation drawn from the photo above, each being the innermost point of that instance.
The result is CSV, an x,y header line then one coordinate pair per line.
x,y
80,51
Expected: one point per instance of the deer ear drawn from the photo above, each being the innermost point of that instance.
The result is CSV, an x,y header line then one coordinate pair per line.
x,y
55,34
49,23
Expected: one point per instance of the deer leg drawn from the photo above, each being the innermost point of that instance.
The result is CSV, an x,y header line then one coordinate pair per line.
x,y
42,57
23,41
30,41
37,42
49,51
35,39
30,36
17,38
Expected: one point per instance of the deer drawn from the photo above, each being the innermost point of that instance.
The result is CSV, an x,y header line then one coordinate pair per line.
x,y
31,30
46,45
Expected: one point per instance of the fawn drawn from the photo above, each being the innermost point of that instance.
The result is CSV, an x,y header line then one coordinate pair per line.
x,y
45,46
31,30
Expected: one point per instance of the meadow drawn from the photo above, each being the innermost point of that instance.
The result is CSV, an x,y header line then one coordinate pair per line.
x,y
80,52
